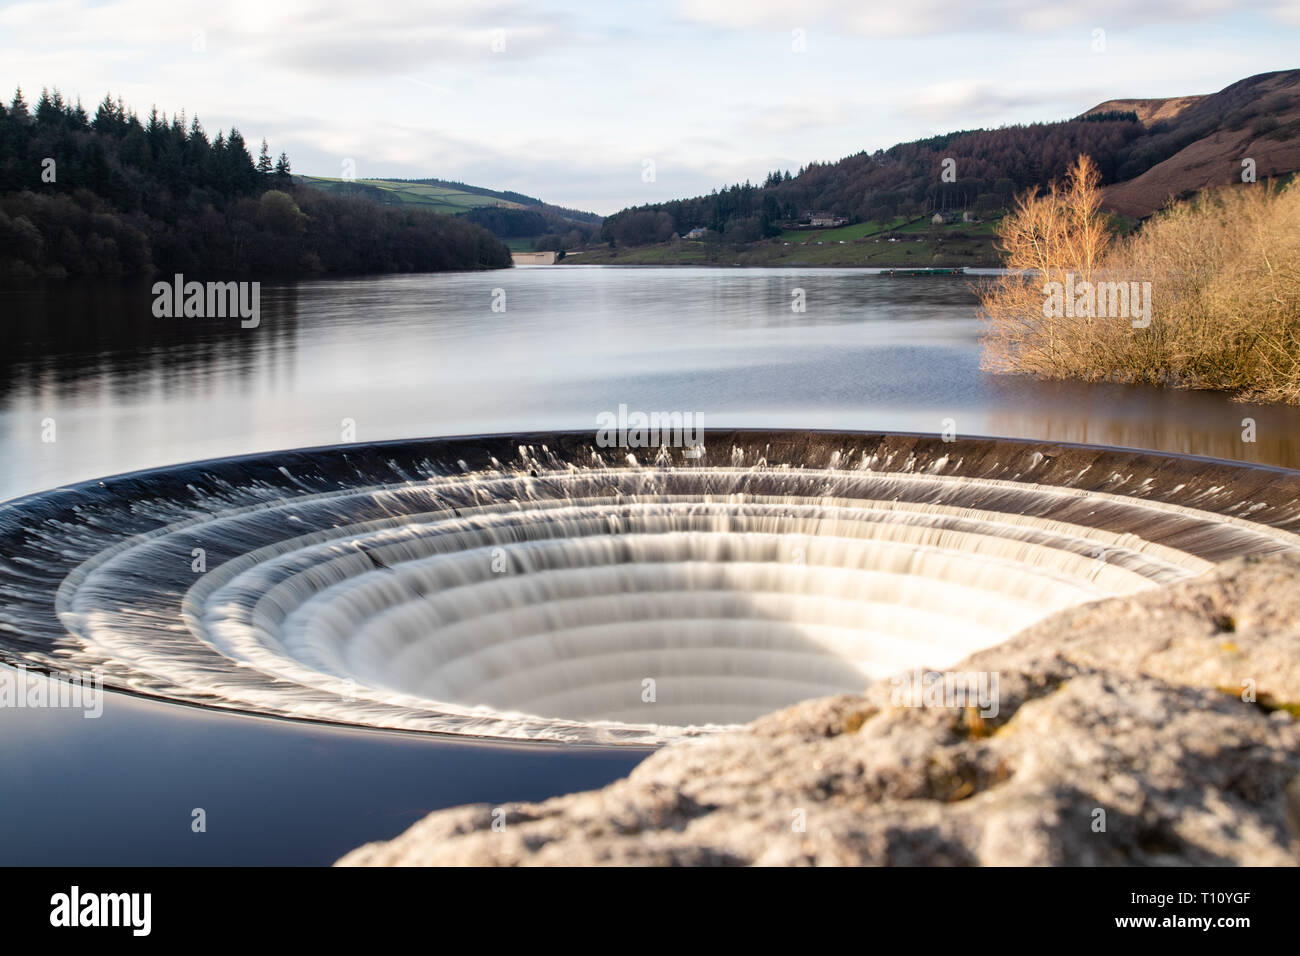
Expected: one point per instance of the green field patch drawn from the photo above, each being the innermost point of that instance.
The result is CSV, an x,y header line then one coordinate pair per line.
x,y
437,198
859,230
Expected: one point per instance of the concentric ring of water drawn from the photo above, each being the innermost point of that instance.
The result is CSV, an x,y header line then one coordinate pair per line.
x,y
540,588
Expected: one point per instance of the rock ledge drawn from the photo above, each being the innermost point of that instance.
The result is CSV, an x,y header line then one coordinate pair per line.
x,y
1121,737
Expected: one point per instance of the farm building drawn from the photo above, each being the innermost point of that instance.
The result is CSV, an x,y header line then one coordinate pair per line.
x,y
826,220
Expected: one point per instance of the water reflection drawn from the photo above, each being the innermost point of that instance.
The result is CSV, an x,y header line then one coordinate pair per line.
x,y
63,342
402,356
1188,422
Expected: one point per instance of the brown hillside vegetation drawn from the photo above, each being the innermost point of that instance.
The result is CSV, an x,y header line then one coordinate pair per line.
x,y
1148,111
1258,118
1210,291
1147,151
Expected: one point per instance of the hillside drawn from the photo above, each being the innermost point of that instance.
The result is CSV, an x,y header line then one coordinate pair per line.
x,y
871,244
1148,150
1147,111
1257,118
523,221
448,200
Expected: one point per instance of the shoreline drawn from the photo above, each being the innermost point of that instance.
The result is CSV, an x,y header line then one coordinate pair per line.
x,y
905,252
784,265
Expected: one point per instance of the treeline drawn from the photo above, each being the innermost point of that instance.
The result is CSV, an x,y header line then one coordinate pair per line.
x,y
561,228
551,230
551,227
989,168
506,222
111,195
1106,116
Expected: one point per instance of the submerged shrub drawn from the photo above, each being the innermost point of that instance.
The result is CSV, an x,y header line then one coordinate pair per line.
x,y
1220,275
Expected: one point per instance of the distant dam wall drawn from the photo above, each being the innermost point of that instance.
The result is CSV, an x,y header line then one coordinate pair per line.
x,y
533,258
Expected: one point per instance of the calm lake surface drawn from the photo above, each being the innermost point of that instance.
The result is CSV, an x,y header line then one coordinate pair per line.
x,y
409,356
425,355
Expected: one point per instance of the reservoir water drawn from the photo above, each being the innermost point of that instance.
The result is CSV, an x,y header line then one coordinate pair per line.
x,y
92,384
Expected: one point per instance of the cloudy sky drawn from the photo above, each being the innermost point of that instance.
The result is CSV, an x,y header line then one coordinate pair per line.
x,y
567,100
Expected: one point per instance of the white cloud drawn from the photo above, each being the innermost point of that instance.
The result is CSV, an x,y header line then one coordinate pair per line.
x,y
795,114
336,36
940,17
711,89
974,102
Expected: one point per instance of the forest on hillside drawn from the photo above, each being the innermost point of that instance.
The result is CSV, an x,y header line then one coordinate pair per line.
x,y
989,168
553,231
111,195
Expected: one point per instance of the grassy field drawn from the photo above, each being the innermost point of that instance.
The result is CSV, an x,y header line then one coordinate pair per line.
x,y
442,199
858,230
916,244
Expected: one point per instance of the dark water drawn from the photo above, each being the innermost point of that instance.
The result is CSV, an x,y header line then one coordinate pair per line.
x,y
118,389
122,789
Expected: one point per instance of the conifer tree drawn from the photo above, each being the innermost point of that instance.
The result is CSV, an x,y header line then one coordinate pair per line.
x,y
18,108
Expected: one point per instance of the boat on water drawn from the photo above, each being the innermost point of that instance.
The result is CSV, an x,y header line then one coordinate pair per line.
x,y
958,271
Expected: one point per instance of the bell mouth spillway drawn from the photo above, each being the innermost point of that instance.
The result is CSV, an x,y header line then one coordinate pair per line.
x,y
539,587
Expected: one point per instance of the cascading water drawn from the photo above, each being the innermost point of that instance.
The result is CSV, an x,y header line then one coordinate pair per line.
x,y
537,587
